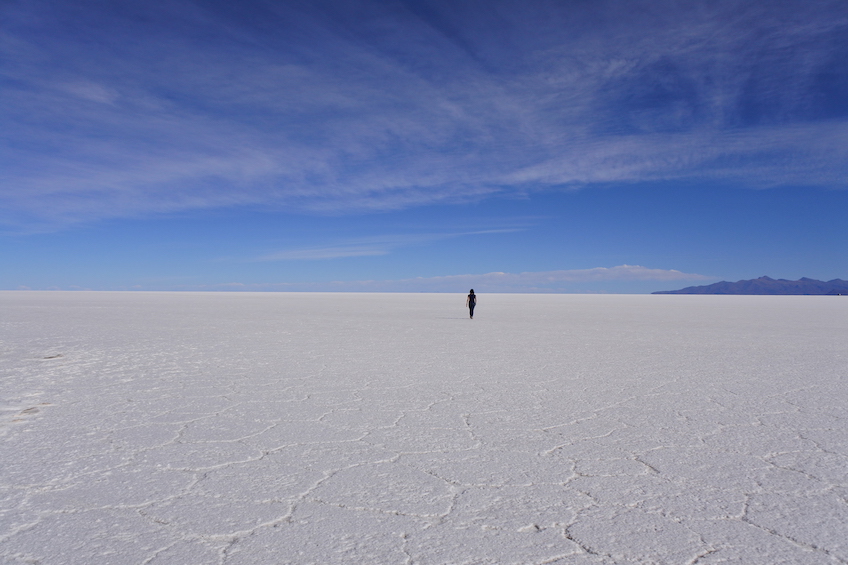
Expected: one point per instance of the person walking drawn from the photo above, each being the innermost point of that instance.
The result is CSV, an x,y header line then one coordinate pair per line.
x,y
471,302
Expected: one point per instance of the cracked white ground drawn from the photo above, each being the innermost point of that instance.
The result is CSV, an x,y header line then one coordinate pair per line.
x,y
234,428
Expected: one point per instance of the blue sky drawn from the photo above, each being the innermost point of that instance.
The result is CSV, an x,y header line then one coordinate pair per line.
x,y
562,146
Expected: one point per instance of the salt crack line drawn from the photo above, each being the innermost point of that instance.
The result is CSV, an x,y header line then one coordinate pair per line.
x,y
549,452
801,545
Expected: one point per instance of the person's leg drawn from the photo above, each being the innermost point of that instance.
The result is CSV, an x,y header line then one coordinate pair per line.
x,y
471,310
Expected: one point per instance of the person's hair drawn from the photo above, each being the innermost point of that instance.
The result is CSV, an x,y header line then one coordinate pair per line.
x,y
472,291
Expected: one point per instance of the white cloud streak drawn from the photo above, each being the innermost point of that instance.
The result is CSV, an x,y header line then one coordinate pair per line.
x,y
136,110
578,280
324,253
371,246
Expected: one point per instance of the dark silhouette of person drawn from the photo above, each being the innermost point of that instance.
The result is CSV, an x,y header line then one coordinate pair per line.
x,y
471,302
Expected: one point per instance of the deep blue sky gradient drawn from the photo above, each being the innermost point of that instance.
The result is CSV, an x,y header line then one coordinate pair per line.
x,y
573,146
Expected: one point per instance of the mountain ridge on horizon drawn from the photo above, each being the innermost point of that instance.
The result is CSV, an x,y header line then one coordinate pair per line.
x,y
768,285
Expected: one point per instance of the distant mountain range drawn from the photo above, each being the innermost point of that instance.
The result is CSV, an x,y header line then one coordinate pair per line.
x,y
766,285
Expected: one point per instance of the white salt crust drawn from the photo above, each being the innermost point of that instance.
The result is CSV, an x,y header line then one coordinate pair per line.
x,y
191,428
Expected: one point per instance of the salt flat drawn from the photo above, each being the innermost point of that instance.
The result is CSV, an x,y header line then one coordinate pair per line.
x,y
182,428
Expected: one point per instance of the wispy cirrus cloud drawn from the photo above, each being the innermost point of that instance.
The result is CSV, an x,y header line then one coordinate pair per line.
x,y
574,280
562,281
371,246
132,109
318,253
